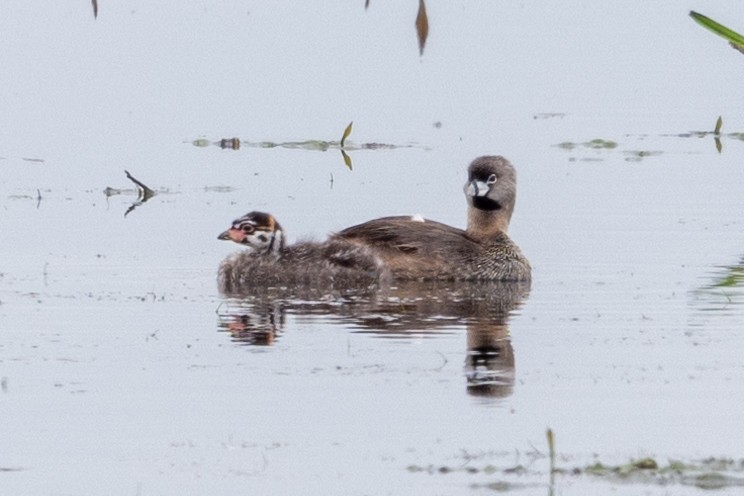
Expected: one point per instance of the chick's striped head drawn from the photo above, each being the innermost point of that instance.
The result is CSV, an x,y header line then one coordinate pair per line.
x,y
257,230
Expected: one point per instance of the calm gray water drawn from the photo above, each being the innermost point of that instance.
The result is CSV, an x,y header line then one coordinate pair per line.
x,y
125,372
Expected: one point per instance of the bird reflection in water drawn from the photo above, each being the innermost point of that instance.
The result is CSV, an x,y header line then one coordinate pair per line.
x,y
489,363
402,310
255,323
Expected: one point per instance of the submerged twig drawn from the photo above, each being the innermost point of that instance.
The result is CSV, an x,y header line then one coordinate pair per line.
x,y
143,192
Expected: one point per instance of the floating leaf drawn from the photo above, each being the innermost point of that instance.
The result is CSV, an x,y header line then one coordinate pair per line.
x,y
719,123
95,9
347,132
733,37
601,143
422,26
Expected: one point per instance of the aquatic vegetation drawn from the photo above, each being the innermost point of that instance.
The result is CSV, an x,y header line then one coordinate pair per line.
x,y
638,155
719,124
732,276
342,145
346,157
597,144
710,473
230,143
347,132
735,39
144,193
422,26
715,133
549,115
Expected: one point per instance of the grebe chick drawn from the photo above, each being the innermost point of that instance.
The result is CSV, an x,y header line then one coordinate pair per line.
x,y
269,262
429,250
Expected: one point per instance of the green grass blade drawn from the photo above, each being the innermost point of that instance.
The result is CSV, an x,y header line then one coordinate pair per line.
x,y
719,29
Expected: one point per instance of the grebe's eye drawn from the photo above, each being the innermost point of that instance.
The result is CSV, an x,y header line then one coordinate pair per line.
x,y
491,179
248,228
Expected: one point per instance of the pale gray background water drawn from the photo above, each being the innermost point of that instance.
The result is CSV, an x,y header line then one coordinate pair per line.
x,y
116,378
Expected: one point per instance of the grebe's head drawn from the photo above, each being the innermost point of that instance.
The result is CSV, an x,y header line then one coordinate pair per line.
x,y
257,230
491,191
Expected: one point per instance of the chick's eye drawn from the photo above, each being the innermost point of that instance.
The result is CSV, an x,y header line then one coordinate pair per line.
x,y
491,179
247,228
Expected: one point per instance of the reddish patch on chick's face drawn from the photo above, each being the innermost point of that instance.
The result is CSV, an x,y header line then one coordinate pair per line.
x,y
234,234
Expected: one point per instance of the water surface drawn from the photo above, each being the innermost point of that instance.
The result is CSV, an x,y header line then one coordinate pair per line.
x,y
124,371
